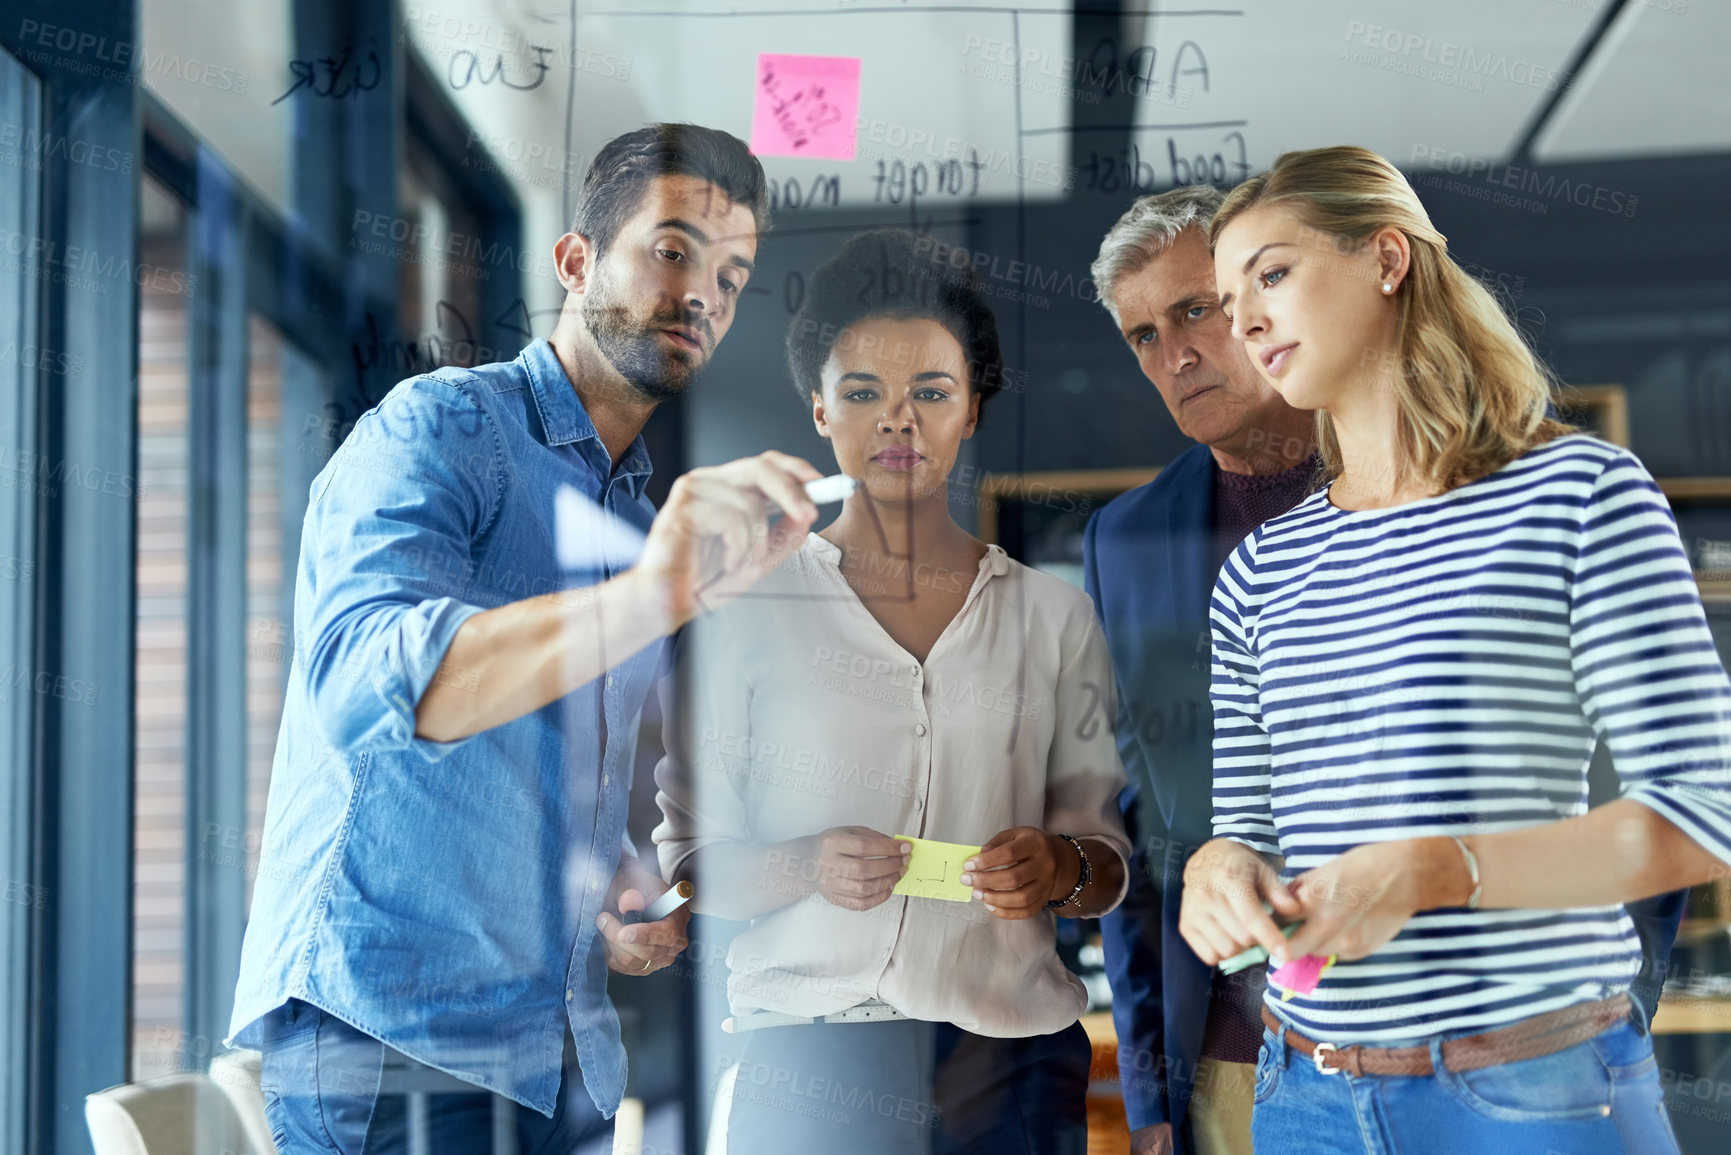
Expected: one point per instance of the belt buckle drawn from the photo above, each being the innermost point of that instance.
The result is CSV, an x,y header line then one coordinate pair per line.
x,y
1319,1054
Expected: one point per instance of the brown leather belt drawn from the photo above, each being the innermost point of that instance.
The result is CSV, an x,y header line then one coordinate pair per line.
x,y
1531,1038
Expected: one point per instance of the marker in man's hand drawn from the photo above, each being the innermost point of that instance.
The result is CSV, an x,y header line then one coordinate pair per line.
x,y
661,907
824,491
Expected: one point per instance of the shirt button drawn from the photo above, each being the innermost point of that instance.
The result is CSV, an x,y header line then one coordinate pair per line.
x,y
919,804
568,996
603,779
920,729
609,681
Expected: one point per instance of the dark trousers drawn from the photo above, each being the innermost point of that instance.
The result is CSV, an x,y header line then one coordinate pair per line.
x,y
909,1088
328,1088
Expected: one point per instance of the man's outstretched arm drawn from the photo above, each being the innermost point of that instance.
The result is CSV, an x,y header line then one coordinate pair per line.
x,y
711,541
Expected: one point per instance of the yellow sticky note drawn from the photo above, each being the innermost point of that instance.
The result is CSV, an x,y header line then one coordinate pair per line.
x,y
934,868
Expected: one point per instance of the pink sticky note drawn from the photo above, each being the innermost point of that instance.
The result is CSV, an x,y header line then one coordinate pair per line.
x,y
806,106
1300,976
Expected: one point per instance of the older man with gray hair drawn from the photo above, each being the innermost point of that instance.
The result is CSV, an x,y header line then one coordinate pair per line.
x,y
1187,1037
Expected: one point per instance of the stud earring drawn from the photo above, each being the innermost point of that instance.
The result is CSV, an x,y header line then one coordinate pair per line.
x,y
1387,288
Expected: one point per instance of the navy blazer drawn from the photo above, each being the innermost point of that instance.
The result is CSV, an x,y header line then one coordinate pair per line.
x,y
1148,564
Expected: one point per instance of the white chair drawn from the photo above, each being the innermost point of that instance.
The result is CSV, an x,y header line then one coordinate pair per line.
x,y
183,1114
223,1113
719,1113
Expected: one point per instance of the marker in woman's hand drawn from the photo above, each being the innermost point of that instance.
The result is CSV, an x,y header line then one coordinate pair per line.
x,y
661,907
1255,955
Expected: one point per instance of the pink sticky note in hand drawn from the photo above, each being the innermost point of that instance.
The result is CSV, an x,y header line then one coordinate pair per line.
x,y
806,106
1300,976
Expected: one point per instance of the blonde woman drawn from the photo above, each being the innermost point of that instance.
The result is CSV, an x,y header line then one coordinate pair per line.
x,y
1411,671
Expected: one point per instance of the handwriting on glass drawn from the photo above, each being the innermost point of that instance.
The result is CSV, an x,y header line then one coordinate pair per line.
x,y
466,69
333,76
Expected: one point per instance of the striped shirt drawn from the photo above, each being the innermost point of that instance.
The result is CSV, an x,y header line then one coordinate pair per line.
x,y
1446,667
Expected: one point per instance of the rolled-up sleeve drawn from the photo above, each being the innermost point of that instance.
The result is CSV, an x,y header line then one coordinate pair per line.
x,y
1084,775
390,536
1646,670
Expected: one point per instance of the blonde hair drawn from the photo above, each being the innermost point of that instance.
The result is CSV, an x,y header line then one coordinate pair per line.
x,y
1471,395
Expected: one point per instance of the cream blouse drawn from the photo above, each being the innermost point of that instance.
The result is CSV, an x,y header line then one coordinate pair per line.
x,y
791,710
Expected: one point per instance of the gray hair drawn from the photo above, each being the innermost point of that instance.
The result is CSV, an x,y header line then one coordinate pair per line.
x,y
1144,232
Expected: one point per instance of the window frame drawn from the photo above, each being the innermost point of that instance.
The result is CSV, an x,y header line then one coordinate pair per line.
x,y
249,261
20,104
76,953
68,775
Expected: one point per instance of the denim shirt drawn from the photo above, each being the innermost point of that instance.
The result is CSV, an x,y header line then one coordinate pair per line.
x,y
442,896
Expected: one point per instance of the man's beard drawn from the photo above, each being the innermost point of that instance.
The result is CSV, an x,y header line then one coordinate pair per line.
x,y
656,370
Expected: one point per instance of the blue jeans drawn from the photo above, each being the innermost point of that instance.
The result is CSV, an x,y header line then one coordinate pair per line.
x,y
322,1091
1599,1096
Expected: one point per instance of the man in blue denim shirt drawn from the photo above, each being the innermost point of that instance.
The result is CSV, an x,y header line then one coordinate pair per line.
x,y
445,856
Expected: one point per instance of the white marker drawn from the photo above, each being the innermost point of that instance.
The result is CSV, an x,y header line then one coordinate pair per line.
x,y
661,907
824,491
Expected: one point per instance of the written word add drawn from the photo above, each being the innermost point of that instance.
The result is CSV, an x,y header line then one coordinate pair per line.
x,y
806,106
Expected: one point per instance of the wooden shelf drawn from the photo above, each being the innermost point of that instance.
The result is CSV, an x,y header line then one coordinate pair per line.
x,y
1094,481
1013,485
1692,1015
1108,1127
1695,488
1103,484
1606,408
1101,1031
1696,931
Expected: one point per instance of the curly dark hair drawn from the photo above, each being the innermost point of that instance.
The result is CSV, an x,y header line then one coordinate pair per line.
x,y
893,273
621,171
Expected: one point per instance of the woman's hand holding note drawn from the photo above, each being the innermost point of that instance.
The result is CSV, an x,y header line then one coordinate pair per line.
x,y
856,867
1019,870
935,870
